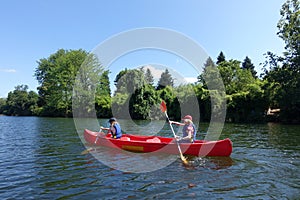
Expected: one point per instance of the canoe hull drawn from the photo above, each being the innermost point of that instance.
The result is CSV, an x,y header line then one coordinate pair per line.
x,y
147,144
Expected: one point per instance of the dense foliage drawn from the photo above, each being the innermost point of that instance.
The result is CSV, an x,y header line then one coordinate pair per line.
x,y
20,102
56,76
282,73
136,96
165,80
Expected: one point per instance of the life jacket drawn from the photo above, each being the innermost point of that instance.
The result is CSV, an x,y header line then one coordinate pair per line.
x,y
184,131
118,133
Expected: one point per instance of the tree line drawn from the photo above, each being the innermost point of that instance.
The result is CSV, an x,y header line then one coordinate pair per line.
x,y
248,97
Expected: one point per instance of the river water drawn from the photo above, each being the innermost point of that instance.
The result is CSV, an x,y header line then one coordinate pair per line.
x,y
40,158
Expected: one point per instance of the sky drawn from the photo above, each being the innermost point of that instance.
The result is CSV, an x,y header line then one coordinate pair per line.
x,y
33,29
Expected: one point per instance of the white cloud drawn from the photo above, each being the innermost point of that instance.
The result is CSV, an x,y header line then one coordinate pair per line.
x,y
191,79
157,70
8,70
156,73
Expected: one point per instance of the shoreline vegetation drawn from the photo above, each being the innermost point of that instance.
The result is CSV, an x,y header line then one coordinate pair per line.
x,y
69,79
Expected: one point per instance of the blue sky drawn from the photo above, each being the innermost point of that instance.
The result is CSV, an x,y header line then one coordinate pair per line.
x,y
34,29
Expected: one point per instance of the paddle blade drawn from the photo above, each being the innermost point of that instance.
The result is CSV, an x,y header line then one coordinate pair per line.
x,y
163,106
184,160
86,151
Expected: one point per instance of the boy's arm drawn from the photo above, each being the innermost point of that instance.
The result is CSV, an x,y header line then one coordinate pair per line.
x,y
177,123
102,128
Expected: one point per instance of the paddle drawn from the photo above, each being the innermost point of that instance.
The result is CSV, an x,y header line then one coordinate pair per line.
x,y
90,149
163,108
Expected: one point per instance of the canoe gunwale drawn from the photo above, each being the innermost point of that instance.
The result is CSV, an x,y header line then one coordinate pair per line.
x,y
140,143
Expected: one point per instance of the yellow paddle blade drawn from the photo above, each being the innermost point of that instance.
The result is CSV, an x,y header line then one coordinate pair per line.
x,y
86,151
184,160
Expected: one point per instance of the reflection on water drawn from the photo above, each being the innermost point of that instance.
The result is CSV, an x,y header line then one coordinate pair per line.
x,y
132,162
281,135
215,163
148,162
40,159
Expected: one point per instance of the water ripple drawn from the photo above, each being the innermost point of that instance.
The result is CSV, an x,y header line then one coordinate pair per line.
x,y
40,159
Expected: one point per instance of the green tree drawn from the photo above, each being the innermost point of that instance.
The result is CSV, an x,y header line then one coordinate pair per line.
x,y
127,81
90,88
209,63
119,76
289,32
188,102
103,97
56,76
283,77
247,65
208,66
134,96
245,97
210,77
165,80
247,105
143,103
104,84
21,102
2,105
149,77
220,58
234,78
120,105
168,94
203,97
211,89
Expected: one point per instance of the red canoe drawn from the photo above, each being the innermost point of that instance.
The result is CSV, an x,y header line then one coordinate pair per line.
x,y
159,144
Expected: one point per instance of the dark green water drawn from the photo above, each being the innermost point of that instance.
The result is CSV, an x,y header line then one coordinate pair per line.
x,y
40,159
